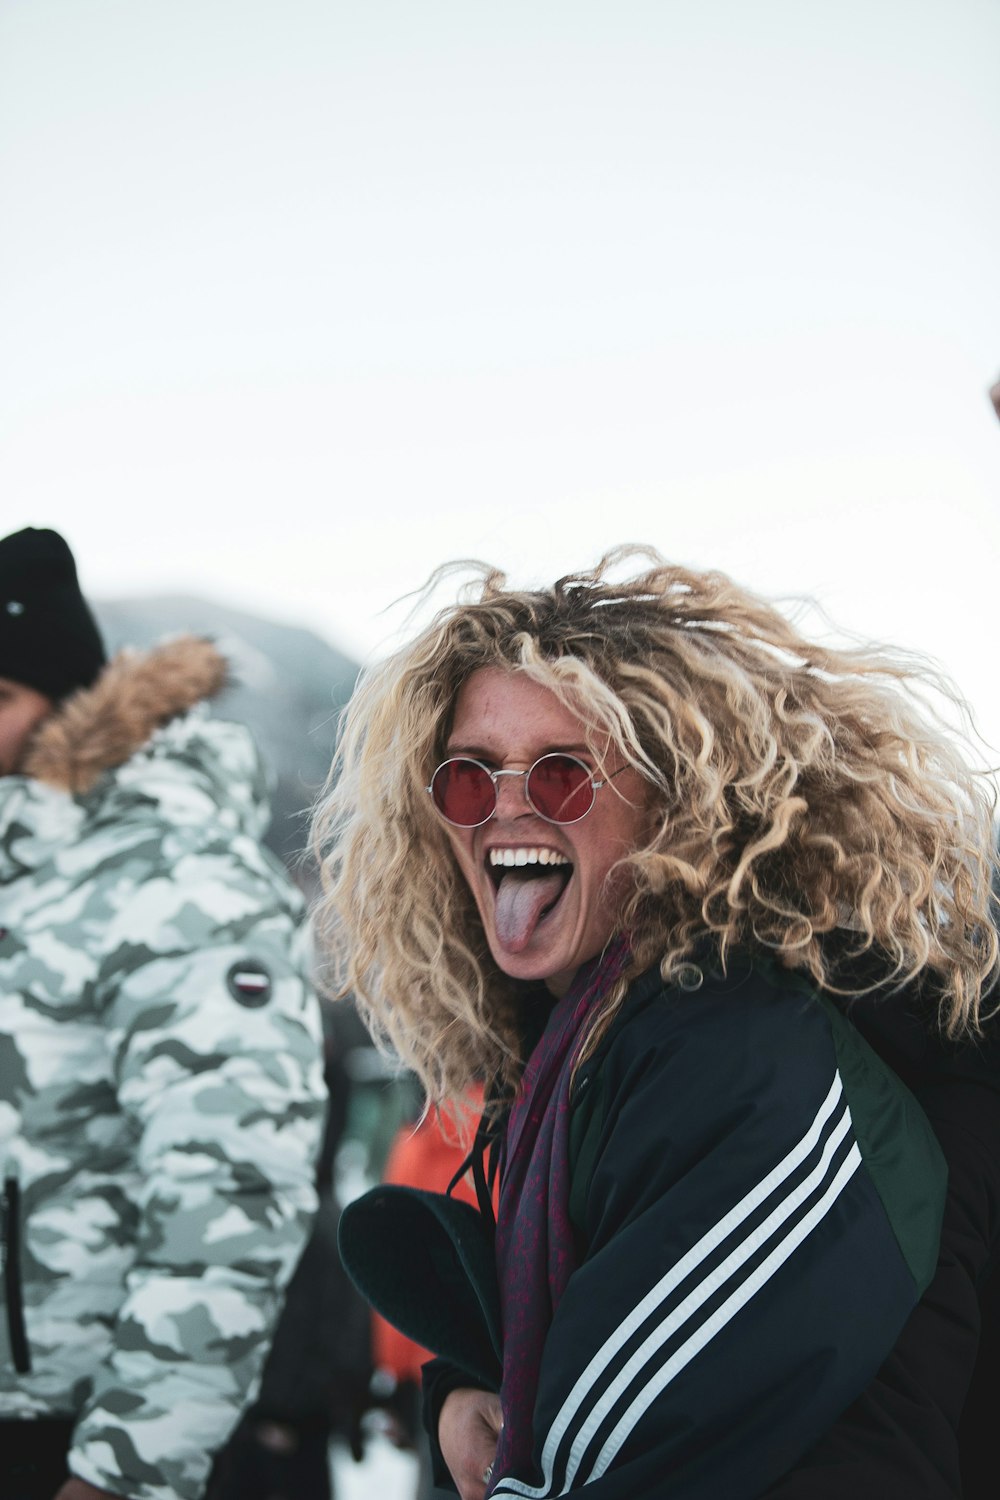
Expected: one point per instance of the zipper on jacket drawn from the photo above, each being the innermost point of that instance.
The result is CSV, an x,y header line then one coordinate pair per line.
x,y
10,1233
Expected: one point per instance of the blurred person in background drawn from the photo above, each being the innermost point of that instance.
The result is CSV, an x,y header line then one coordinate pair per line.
x,y
161,1089
710,906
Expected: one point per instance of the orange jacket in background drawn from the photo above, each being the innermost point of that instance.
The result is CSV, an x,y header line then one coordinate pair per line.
x,y
421,1157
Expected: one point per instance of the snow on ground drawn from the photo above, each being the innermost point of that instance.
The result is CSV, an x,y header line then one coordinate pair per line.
x,y
384,1473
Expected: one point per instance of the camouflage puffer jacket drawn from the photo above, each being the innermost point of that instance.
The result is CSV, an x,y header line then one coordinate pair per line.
x,y
161,1093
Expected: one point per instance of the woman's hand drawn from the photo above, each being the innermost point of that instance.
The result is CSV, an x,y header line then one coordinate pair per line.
x,y
468,1428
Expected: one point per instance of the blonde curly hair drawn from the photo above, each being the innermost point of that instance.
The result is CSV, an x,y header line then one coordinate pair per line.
x,y
801,794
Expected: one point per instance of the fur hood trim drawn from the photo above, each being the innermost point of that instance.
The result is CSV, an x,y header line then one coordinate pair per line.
x,y
99,728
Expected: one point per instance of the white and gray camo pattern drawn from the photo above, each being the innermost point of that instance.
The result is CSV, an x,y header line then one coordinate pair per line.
x,y
162,1125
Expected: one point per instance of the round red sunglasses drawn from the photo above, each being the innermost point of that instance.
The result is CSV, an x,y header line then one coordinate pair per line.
x,y
559,788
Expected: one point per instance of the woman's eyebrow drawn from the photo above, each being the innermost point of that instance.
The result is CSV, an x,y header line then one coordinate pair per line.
x,y
479,752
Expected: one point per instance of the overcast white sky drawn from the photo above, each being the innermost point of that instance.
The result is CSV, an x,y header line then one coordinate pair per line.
x,y
300,299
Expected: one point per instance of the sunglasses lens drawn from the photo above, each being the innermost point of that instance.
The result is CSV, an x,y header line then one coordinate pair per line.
x,y
559,788
463,792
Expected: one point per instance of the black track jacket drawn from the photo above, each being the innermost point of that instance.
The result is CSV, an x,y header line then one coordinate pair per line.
x,y
758,1202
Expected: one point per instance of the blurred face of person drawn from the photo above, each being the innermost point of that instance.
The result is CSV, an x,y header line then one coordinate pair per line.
x,y
22,709
558,907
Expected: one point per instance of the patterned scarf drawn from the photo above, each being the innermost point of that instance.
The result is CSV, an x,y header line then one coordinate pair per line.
x,y
535,1247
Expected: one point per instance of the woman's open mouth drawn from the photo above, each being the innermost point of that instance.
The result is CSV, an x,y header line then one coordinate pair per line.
x,y
529,882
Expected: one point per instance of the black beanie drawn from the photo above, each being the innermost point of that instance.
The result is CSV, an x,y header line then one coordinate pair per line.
x,y
49,640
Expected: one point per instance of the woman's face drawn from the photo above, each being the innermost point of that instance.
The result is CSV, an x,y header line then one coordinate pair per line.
x,y
546,916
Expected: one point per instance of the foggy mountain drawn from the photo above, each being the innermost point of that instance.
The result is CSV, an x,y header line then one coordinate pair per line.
x,y
288,688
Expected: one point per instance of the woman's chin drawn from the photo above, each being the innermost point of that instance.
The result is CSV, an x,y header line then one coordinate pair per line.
x,y
531,966
551,964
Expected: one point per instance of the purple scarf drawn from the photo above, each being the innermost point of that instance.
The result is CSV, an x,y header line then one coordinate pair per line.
x,y
535,1248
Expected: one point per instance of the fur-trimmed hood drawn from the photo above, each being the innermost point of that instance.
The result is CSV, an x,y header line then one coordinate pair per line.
x,y
99,728
138,745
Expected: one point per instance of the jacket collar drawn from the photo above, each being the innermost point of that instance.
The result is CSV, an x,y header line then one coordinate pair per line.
x,y
99,728
94,732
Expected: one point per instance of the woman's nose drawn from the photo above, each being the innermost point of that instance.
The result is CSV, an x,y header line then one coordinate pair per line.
x,y
512,800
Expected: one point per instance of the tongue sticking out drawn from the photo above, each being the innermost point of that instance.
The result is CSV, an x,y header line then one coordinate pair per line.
x,y
521,902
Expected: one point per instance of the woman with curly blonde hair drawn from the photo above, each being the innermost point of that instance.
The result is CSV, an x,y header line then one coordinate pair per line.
x,y
650,863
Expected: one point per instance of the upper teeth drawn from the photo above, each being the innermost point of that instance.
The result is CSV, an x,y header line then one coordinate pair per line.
x,y
513,857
